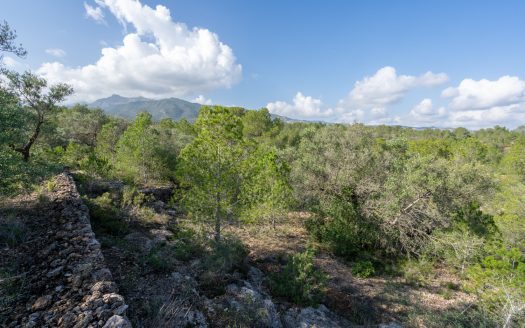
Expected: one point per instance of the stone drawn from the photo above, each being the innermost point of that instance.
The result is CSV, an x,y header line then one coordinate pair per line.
x,y
55,272
104,287
319,317
117,321
41,303
121,309
113,298
255,277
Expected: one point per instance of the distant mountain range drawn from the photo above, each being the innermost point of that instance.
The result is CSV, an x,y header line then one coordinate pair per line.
x,y
173,108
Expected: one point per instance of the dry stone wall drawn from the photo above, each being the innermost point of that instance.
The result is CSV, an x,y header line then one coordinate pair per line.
x,y
70,283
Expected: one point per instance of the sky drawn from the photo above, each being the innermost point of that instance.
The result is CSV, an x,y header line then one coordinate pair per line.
x,y
413,63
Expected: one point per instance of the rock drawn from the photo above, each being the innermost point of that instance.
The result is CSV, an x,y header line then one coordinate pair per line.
x,y
102,274
104,287
255,277
195,319
117,321
311,317
83,319
121,309
390,325
55,272
113,298
41,303
246,301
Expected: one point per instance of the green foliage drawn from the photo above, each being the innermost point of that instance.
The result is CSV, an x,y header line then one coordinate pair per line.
x,y
132,197
223,175
300,280
265,191
225,256
418,271
39,100
363,269
161,259
499,281
105,216
187,244
80,124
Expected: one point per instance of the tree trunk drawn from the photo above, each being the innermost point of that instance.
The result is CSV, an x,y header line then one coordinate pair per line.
x,y
25,150
217,224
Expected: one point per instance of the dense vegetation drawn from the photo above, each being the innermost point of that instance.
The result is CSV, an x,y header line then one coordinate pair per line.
x,y
391,200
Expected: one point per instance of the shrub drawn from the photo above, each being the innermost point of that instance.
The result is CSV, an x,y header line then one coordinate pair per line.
x,y
499,281
300,280
132,197
161,259
417,271
230,253
105,217
187,245
363,269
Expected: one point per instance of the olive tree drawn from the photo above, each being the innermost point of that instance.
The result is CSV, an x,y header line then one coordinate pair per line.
x,y
40,101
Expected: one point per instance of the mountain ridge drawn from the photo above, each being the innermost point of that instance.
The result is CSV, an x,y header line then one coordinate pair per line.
x,y
174,108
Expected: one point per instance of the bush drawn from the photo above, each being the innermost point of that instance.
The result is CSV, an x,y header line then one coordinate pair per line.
x,y
187,245
161,259
300,280
417,271
105,217
499,281
363,269
132,197
225,256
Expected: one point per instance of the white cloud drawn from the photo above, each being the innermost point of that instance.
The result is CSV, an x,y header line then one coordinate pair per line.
x,y
178,62
368,100
425,112
484,94
94,13
13,64
510,116
202,100
301,107
385,87
353,116
56,52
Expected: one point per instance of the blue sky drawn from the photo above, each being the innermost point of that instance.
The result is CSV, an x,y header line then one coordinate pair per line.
x,y
420,63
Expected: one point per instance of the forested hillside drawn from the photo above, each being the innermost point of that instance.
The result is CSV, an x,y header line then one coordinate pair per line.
x,y
435,217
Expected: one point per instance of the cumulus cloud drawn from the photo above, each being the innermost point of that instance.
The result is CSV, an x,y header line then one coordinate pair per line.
x,y
425,112
367,101
56,52
301,107
202,100
94,13
510,116
485,94
161,58
385,87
